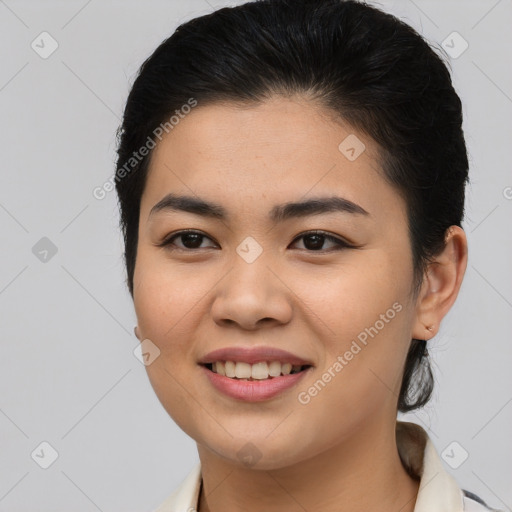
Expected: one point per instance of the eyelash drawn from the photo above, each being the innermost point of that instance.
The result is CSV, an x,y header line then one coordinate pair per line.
x,y
341,244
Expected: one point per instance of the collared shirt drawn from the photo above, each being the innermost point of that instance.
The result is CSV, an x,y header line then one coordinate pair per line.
x,y
438,490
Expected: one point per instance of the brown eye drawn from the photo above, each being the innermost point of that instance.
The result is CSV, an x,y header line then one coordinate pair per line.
x,y
190,240
315,240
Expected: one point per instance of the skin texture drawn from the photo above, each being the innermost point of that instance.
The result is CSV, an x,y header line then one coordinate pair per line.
x,y
337,452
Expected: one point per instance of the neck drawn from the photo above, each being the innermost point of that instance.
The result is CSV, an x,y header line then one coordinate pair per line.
x,y
364,472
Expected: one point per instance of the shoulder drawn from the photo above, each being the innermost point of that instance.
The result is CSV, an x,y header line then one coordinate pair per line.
x,y
473,503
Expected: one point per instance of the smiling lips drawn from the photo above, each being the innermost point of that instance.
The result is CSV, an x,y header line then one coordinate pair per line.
x,y
253,374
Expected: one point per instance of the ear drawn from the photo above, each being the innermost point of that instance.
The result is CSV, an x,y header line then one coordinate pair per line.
x,y
441,284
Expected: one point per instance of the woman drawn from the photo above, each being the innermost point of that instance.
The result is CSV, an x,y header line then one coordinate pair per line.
x,y
291,182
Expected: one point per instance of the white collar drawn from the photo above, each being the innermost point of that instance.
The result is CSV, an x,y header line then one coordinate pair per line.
x,y
438,490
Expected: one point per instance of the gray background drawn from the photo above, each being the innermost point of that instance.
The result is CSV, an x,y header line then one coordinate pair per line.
x,y
68,374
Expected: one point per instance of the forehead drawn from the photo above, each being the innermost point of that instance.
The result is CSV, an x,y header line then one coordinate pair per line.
x,y
281,149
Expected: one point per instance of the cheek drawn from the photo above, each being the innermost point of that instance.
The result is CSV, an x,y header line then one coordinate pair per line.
x,y
177,397
365,318
165,305
360,372
165,300
169,304
349,299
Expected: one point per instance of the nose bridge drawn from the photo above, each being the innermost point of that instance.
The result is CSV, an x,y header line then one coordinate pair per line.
x,y
251,292
250,275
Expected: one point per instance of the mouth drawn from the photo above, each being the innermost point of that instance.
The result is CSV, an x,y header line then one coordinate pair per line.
x,y
259,371
256,382
254,374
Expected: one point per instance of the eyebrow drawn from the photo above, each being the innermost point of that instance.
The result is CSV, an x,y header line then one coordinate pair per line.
x,y
279,213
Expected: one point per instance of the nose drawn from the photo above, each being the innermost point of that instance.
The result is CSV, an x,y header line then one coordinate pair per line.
x,y
252,296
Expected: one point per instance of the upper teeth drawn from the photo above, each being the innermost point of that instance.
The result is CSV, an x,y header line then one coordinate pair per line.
x,y
259,371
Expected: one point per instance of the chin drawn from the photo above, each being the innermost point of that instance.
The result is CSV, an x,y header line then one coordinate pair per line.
x,y
259,451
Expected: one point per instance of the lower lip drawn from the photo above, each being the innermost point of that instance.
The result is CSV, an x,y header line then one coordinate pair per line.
x,y
254,390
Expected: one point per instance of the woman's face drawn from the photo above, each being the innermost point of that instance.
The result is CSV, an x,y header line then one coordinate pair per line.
x,y
257,278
